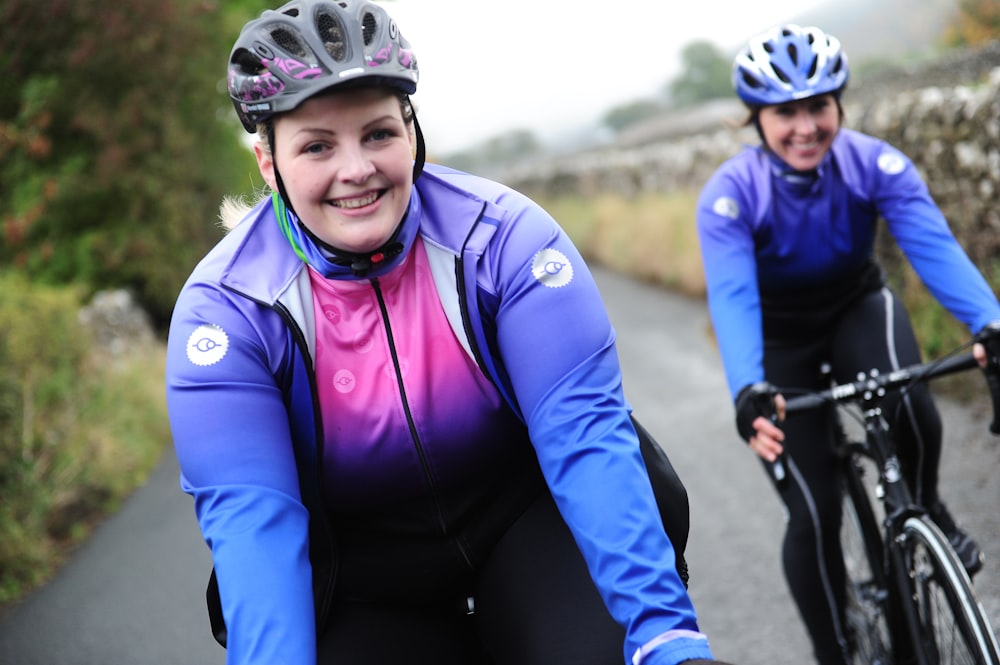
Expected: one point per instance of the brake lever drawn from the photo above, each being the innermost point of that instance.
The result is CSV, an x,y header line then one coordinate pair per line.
x,y
779,468
989,337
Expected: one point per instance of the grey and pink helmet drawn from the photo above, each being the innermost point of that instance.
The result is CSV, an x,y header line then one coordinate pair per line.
x,y
787,63
287,55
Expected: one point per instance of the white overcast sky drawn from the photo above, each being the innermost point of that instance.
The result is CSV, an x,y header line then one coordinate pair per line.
x,y
551,66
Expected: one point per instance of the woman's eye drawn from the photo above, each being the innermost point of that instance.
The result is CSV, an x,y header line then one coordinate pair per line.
x,y
380,135
314,148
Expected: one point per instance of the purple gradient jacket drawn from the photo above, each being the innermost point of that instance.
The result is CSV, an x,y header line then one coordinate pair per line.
x,y
243,409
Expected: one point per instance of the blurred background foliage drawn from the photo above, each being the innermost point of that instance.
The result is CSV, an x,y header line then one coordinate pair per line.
x,y
116,147
80,427
116,142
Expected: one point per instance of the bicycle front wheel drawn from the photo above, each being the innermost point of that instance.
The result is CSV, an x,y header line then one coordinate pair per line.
x,y
865,610
954,627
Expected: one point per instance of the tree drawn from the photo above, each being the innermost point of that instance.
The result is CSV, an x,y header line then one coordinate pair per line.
x,y
116,140
626,115
501,150
978,21
707,74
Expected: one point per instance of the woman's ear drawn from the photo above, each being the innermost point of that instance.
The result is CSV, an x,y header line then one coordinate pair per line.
x,y
265,163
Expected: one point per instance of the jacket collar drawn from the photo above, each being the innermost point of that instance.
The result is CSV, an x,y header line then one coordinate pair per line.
x,y
262,264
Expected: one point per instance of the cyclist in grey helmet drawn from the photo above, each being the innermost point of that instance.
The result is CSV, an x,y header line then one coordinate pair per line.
x,y
395,396
787,232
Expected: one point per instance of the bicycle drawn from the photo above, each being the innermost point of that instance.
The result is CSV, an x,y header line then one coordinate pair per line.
x,y
909,599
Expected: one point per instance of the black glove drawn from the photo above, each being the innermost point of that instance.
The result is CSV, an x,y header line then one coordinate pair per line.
x,y
755,399
989,337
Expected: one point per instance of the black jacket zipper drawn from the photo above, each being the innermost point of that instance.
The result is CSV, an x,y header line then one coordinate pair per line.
x,y
414,435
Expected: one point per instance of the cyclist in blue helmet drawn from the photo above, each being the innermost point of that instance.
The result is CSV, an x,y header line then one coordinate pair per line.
x,y
787,233
395,395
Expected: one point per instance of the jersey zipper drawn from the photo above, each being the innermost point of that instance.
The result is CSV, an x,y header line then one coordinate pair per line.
x,y
414,435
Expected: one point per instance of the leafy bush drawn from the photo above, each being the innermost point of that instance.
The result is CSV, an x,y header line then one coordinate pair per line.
x,y
117,141
79,429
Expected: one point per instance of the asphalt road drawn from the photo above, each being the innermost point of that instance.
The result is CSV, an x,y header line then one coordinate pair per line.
x,y
134,592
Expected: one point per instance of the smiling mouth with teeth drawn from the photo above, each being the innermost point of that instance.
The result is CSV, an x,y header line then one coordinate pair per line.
x,y
358,202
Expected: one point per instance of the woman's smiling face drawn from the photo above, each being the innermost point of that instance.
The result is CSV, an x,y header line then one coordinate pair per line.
x,y
801,132
346,160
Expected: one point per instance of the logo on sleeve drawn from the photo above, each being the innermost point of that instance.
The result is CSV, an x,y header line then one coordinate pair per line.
x,y
207,345
552,268
726,206
890,163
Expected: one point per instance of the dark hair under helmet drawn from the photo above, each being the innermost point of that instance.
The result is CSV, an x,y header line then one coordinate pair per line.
x,y
789,62
286,56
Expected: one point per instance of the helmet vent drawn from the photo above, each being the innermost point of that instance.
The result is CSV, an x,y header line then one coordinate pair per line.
x,y
812,67
369,26
288,41
750,81
332,35
793,54
248,62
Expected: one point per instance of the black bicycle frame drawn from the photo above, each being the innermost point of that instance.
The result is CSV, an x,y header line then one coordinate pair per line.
x,y
897,500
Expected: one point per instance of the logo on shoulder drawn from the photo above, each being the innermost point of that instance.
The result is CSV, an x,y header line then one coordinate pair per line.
x,y
207,345
890,163
726,206
552,268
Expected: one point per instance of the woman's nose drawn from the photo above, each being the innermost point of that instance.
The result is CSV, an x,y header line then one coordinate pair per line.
x,y
804,123
355,166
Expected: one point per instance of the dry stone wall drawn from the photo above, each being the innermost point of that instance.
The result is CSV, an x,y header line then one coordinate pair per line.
x,y
943,113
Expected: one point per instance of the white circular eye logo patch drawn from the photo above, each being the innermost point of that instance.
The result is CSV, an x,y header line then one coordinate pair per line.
x,y
207,345
343,381
552,268
890,163
727,207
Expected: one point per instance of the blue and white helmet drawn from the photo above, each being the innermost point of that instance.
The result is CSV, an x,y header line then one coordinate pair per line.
x,y
787,63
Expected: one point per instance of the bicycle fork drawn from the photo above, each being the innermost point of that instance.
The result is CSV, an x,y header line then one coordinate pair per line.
x,y
892,489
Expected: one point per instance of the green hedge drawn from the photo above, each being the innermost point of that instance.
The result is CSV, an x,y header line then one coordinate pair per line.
x,y
79,429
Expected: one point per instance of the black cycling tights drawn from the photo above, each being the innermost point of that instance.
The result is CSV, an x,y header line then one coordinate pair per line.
x,y
873,332
535,604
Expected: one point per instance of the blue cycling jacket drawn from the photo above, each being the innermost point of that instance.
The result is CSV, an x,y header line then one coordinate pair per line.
x,y
244,414
766,230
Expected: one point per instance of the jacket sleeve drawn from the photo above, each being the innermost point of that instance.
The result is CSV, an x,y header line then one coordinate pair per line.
x,y
558,347
923,234
231,436
725,235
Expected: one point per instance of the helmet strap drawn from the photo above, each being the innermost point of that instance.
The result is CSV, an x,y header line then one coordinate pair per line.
x,y
418,162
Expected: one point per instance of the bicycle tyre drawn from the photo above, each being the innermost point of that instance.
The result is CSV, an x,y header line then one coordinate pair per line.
x,y
865,611
954,627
